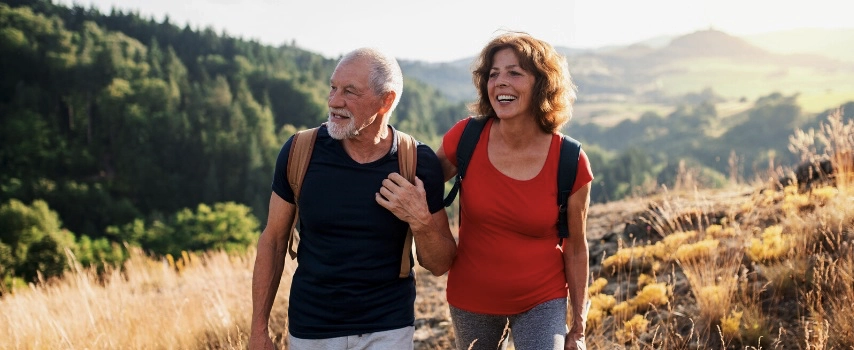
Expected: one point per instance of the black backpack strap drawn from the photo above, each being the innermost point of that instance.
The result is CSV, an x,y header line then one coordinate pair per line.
x,y
570,150
465,149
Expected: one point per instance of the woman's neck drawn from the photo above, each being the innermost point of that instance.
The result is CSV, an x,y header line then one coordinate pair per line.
x,y
518,132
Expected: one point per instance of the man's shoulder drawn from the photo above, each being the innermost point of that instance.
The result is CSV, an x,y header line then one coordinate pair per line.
x,y
425,151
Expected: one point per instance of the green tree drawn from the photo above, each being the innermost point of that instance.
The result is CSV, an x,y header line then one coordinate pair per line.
x,y
33,237
225,226
627,174
99,252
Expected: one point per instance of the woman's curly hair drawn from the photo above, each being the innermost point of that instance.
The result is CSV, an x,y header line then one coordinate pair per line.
x,y
553,91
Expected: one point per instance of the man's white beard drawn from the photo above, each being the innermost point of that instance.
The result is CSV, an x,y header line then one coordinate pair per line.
x,y
340,132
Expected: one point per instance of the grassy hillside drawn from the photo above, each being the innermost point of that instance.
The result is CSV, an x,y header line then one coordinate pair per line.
x,y
819,87
753,266
833,43
630,78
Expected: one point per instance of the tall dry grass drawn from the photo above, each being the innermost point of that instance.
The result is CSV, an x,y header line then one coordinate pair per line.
x,y
193,302
713,278
199,302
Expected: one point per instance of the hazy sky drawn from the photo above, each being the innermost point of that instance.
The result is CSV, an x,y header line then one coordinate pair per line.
x,y
443,30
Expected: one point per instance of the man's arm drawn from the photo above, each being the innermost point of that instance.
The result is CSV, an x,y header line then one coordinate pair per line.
x,y
269,264
435,247
576,263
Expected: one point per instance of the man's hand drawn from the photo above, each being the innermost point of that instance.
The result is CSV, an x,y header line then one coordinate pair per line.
x,y
405,200
261,342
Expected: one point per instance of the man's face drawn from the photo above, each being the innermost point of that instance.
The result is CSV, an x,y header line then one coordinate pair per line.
x,y
353,105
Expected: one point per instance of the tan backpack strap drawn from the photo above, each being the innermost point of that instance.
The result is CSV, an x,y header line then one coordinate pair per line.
x,y
298,159
407,156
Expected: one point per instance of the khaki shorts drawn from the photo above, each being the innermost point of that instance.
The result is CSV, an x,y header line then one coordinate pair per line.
x,y
400,338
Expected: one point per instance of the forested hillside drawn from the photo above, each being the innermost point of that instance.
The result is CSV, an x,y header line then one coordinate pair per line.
x,y
696,140
114,124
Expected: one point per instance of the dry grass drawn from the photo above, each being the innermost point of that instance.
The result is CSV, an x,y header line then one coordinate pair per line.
x,y
147,304
712,274
795,290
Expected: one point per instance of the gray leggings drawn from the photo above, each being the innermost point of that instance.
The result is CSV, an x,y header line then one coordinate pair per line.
x,y
541,328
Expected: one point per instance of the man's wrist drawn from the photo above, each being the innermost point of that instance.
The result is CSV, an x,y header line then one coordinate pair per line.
x,y
259,330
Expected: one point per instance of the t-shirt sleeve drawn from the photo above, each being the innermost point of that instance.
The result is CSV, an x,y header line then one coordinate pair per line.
x,y
584,174
429,171
280,176
452,138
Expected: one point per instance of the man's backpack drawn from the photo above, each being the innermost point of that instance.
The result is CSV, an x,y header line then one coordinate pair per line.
x,y
298,159
570,150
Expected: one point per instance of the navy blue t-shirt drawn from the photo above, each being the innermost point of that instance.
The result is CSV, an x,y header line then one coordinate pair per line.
x,y
346,282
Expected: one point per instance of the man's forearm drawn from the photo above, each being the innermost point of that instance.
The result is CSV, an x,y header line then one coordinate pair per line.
x,y
266,276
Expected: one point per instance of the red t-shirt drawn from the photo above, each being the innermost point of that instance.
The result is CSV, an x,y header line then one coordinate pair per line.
x,y
507,259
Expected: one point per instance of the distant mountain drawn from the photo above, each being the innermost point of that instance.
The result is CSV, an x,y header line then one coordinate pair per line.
x,y
661,69
708,44
711,43
653,43
452,79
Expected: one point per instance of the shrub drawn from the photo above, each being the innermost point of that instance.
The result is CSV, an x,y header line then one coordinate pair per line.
x,y
632,329
225,226
731,325
697,250
650,296
626,256
772,245
597,286
34,240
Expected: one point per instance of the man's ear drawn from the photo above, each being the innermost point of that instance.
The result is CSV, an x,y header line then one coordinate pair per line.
x,y
388,100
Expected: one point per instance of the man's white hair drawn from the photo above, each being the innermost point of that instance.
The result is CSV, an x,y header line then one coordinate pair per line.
x,y
385,75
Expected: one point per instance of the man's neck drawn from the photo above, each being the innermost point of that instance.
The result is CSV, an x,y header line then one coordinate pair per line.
x,y
369,145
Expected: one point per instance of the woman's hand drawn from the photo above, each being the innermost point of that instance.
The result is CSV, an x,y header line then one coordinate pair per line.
x,y
575,341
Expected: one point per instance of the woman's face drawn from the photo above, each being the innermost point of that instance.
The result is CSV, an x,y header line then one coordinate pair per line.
x,y
509,86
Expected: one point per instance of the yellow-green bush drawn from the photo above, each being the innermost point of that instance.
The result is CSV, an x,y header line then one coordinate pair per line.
x,y
632,329
772,245
597,286
652,295
731,325
697,250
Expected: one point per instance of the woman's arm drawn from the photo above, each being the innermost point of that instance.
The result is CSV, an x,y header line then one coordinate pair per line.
x,y
449,170
576,263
